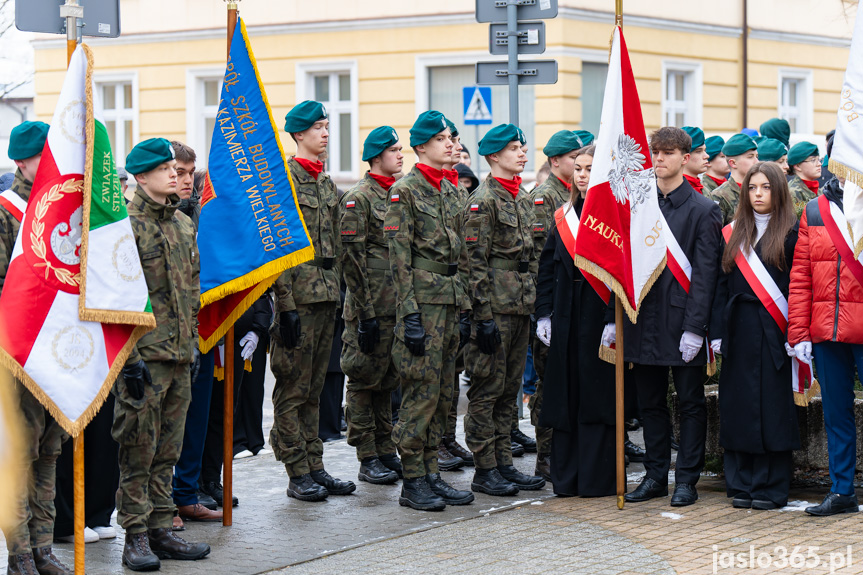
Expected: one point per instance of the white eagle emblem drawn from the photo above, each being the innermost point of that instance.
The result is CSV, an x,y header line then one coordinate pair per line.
x,y
628,178
66,238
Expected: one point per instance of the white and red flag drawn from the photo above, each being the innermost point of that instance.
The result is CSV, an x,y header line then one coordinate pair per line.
x,y
620,239
75,300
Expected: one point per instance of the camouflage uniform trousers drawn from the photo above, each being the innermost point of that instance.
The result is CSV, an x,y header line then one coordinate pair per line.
x,y
495,380
371,380
150,433
300,374
427,385
35,511
543,434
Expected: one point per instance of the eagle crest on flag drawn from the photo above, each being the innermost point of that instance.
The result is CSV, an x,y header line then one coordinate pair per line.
x,y
628,178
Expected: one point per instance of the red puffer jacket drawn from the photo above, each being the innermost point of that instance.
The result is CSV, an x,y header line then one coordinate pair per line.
x,y
825,300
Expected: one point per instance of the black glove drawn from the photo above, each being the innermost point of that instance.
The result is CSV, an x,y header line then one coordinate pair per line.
x,y
369,332
463,329
136,377
195,366
290,328
487,336
415,335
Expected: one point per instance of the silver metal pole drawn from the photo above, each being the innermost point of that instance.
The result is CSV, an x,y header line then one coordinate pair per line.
x,y
512,48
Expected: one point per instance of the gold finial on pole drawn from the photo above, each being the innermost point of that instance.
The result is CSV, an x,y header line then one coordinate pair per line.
x,y
618,12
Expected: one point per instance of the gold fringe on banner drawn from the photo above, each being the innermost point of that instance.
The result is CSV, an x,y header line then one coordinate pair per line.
x,y
850,175
607,354
582,263
803,399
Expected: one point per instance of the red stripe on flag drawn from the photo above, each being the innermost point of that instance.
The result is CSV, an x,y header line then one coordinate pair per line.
x,y
25,304
116,336
568,240
633,120
214,316
47,170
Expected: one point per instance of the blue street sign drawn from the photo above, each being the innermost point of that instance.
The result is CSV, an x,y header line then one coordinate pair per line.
x,y
477,105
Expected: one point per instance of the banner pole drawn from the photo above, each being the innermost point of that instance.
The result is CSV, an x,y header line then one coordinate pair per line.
x,y
618,393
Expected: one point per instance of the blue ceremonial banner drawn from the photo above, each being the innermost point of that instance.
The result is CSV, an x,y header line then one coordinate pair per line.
x,y
251,228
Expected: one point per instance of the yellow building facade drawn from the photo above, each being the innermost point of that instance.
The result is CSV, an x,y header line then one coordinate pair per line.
x,y
376,62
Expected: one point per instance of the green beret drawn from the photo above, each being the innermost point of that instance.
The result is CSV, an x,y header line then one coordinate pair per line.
x,y
778,129
377,141
697,135
713,145
738,144
585,137
771,150
304,115
800,151
498,137
759,139
562,142
452,129
148,155
27,140
427,125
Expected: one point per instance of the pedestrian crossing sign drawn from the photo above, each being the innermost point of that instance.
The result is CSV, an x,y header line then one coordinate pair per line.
x,y
477,105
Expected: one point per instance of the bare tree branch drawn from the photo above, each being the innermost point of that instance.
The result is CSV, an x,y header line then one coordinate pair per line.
x,y
12,87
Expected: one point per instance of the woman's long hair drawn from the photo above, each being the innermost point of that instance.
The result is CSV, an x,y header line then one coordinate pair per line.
x,y
781,222
574,194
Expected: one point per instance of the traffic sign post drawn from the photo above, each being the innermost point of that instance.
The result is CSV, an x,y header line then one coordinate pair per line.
x,y
528,72
100,18
477,111
531,38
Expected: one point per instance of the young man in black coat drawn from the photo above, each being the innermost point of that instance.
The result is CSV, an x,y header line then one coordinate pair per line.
x,y
671,328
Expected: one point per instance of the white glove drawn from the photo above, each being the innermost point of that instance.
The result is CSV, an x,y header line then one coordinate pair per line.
x,y
543,330
690,345
609,334
249,343
789,350
803,351
716,345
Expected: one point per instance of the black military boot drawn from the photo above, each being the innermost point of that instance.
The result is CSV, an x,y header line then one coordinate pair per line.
x,y
456,449
333,485
207,500
519,479
373,471
21,565
137,554
490,481
214,490
168,545
449,494
304,488
417,494
446,461
517,449
543,466
527,442
47,563
392,462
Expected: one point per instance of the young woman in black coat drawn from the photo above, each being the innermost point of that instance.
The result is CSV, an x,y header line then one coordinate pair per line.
x,y
758,422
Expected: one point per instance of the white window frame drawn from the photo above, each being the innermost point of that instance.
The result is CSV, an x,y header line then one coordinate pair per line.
x,y
120,78
805,98
195,113
305,90
695,102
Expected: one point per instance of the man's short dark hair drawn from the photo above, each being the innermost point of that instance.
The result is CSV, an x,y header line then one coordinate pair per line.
x,y
670,138
183,153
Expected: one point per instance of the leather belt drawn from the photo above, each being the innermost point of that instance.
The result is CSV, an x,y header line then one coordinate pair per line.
x,y
434,267
325,263
510,265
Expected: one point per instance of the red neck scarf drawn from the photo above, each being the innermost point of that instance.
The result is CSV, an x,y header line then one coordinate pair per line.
x,y
385,182
432,175
719,181
511,186
565,185
313,168
695,183
813,186
451,176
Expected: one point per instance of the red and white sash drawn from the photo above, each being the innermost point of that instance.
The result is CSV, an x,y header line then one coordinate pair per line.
x,y
14,203
770,296
566,221
837,228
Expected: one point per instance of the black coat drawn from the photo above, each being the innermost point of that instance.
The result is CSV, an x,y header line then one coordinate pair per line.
x,y
667,310
756,403
578,386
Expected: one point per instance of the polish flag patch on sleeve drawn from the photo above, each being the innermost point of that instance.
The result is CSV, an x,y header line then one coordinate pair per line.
x,y
394,198
538,201
350,204
474,207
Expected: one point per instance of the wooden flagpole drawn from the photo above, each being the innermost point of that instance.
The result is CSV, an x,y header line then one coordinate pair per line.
x,y
618,355
228,406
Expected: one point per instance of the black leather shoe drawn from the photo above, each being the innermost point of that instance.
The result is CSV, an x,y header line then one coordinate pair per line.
x,y
447,492
519,479
168,545
632,424
446,461
373,471
214,490
455,448
137,554
207,501
763,504
632,451
47,563
334,486
491,482
517,449
304,489
392,462
684,494
646,490
518,436
543,466
742,501
833,504
417,494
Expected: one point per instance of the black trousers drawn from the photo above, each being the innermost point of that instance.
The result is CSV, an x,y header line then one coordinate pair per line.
x,y
249,413
101,475
651,383
330,421
763,476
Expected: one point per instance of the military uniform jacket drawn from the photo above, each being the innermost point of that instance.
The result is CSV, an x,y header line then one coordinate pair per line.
x,y
709,184
312,282
9,225
800,192
727,195
169,256
422,226
366,252
499,241
546,199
